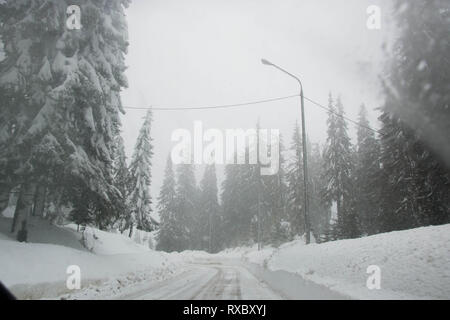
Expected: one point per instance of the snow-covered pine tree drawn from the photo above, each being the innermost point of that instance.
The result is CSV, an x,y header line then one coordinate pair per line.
x,y
416,118
252,184
250,198
367,173
172,235
399,208
187,204
230,205
275,226
295,185
208,210
61,89
338,163
139,199
83,212
239,203
121,182
319,213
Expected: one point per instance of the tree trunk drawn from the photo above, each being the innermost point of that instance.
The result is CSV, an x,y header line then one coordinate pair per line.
x,y
4,197
131,231
339,209
24,204
58,216
39,201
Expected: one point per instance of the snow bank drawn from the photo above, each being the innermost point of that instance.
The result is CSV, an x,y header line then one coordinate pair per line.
x,y
414,263
107,243
34,270
259,257
238,252
95,240
33,263
108,261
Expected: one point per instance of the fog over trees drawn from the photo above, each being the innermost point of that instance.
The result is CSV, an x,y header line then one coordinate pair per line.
x,y
62,155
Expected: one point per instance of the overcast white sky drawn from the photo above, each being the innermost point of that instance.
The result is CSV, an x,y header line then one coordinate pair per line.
x,y
207,52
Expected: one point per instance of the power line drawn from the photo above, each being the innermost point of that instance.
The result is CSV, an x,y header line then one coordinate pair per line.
x,y
224,106
342,116
243,104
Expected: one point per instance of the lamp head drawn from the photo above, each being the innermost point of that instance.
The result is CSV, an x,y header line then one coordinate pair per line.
x,y
264,61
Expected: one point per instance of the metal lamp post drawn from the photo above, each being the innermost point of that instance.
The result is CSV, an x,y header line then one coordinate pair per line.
x,y
305,157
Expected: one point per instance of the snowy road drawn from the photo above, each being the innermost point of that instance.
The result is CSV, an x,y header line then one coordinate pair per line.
x,y
208,281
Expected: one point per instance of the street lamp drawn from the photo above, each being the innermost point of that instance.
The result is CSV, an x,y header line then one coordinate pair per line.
x,y
305,157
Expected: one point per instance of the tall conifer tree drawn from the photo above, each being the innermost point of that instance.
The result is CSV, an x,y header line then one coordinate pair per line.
x,y
140,178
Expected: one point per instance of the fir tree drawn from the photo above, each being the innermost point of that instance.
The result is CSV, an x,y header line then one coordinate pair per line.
x,y
399,207
187,205
415,119
319,212
61,90
230,205
295,185
208,210
240,203
171,235
121,182
338,163
140,178
367,173
275,226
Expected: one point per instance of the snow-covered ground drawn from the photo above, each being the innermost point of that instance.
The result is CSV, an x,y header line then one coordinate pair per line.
x,y
414,264
109,262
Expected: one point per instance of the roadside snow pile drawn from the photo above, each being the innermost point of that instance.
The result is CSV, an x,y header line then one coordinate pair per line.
x,y
238,252
102,242
259,257
191,256
414,263
34,271
144,238
43,231
90,239
38,269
